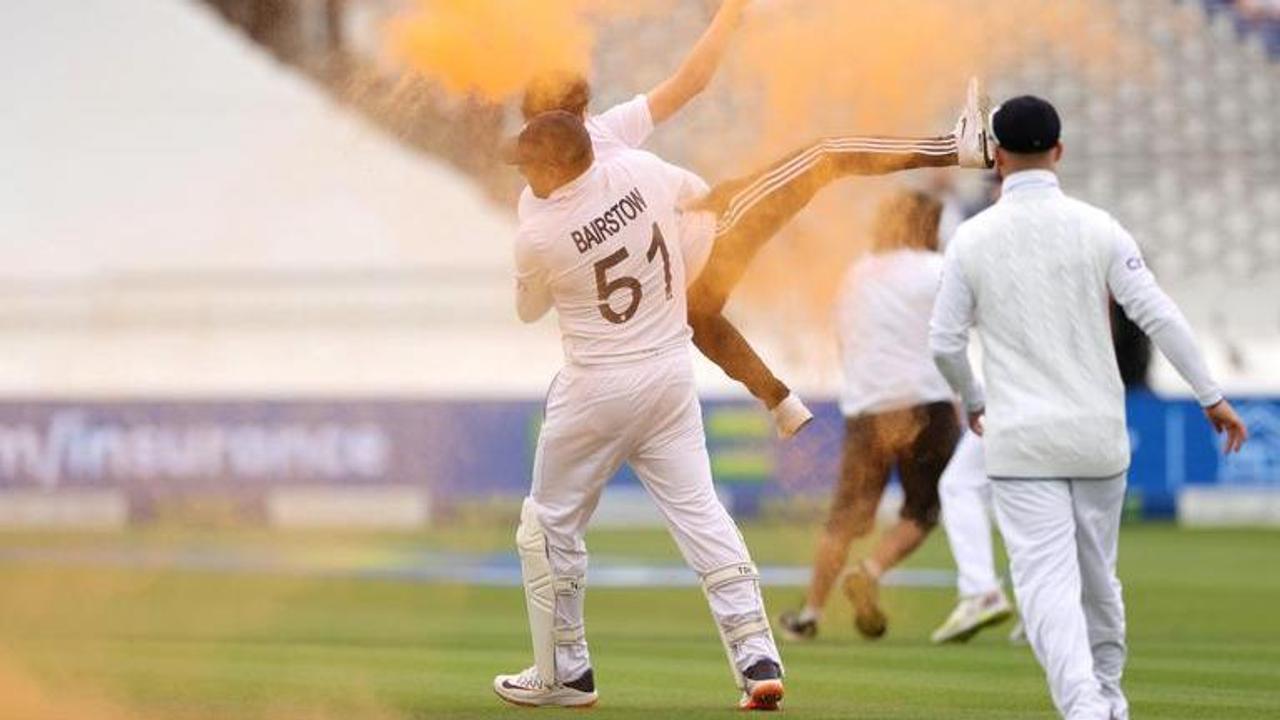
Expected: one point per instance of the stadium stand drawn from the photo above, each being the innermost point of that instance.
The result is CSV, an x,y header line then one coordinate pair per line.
x,y
1254,16
222,226
1187,155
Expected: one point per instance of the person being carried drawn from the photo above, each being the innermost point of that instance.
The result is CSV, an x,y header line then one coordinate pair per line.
x,y
752,209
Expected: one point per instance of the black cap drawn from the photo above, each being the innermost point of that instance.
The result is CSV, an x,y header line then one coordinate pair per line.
x,y
1026,125
552,138
555,91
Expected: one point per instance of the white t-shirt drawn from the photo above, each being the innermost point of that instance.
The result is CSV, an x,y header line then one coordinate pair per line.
x,y
607,252
625,126
882,319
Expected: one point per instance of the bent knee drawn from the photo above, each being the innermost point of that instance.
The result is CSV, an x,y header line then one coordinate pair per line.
x,y
922,514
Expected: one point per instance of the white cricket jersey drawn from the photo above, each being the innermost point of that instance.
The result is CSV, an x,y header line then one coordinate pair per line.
x,y
606,251
882,320
625,126
1034,273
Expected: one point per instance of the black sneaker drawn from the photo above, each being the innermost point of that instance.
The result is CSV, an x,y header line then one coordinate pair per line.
x,y
586,682
793,628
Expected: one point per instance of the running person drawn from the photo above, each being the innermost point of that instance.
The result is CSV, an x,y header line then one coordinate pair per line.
x,y
899,411
628,125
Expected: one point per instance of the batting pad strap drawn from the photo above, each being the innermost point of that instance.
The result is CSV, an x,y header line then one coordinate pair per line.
x,y
576,635
569,586
736,572
744,630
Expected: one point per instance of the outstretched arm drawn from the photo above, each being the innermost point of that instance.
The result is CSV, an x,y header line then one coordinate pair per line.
x,y
699,66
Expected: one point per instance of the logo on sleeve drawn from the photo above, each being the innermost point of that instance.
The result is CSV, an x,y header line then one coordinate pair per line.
x,y
1134,263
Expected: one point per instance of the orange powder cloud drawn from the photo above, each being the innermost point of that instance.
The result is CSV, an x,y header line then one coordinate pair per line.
x,y
493,48
798,70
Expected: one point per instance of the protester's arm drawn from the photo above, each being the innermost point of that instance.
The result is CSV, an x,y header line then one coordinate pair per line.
x,y
699,66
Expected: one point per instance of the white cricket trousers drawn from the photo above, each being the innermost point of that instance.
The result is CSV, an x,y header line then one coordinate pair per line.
x,y
965,493
1062,537
644,413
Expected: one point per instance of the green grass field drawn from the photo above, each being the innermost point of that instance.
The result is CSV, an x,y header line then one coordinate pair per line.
x,y
84,640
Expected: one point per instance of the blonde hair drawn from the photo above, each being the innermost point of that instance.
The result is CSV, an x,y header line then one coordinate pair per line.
x,y
906,220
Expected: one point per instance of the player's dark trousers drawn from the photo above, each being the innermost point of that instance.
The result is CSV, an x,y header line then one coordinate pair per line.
x,y
752,209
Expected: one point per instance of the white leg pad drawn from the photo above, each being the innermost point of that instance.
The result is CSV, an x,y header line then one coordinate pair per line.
x,y
539,590
731,635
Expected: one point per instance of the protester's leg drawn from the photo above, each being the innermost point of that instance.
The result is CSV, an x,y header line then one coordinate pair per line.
x,y
720,341
920,465
864,472
1037,520
753,209
1098,505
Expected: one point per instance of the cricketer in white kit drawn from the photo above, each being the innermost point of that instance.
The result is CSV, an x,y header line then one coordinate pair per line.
x,y
1033,274
604,244
965,495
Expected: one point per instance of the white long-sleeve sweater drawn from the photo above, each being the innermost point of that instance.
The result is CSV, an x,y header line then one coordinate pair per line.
x,y
1033,274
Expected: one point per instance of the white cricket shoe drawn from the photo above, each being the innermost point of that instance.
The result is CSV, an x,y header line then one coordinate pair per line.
x,y
971,615
762,687
790,416
974,142
528,690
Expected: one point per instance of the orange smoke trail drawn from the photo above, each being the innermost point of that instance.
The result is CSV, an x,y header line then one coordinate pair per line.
x,y
800,69
826,67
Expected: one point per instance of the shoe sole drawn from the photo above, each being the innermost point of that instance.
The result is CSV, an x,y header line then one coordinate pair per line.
x,y
868,618
977,97
517,703
968,633
984,124
765,696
